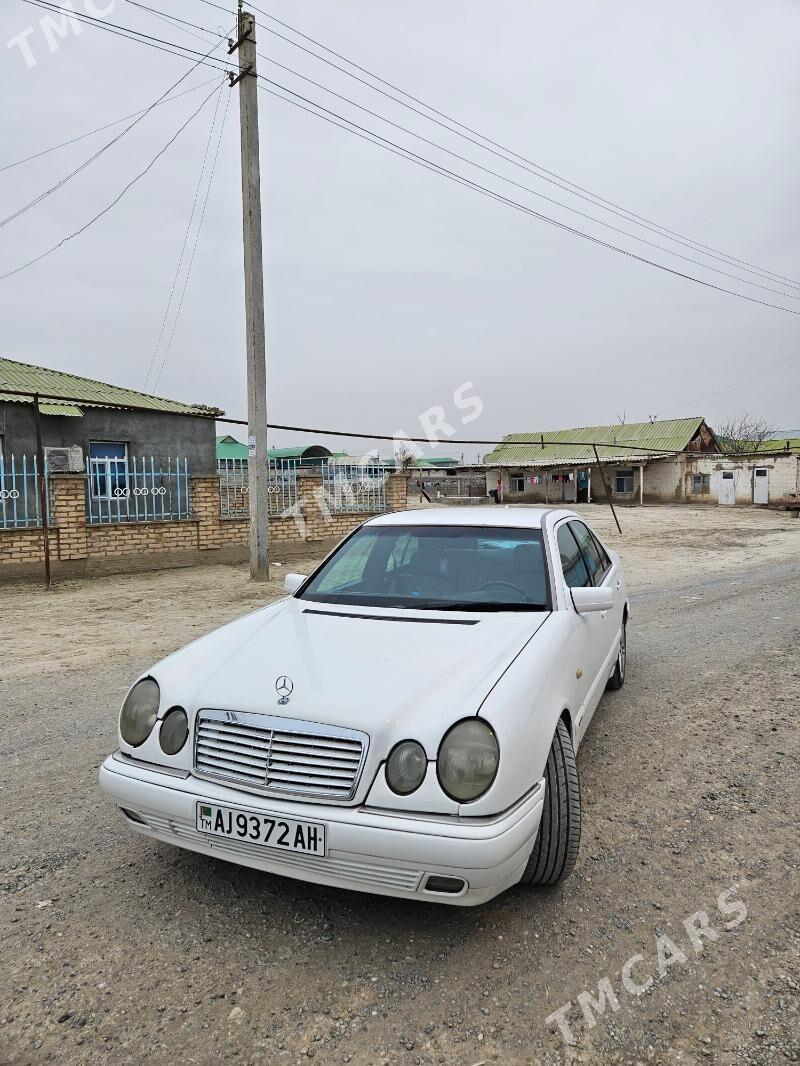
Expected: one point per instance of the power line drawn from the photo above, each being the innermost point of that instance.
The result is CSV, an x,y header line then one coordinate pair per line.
x,y
171,47
185,237
171,20
525,188
116,199
100,151
316,431
194,246
100,129
514,160
407,153
539,441
511,157
461,179
784,364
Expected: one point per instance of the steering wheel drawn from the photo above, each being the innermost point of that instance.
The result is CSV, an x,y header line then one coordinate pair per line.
x,y
504,584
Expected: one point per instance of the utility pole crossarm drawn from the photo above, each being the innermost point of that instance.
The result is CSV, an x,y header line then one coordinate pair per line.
x,y
258,463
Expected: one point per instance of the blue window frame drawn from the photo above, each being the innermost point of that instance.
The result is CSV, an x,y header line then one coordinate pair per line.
x,y
108,468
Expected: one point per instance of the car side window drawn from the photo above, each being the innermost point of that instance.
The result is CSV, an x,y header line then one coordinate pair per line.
x,y
603,554
575,573
596,561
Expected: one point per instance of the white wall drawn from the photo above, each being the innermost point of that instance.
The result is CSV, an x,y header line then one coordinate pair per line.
x,y
784,476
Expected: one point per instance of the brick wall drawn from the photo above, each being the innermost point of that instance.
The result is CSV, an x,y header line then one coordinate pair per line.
x,y
79,548
19,547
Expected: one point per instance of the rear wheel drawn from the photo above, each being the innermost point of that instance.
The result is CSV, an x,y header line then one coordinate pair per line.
x,y
617,679
556,848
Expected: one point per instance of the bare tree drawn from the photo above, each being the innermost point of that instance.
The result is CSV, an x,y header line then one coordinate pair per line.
x,y
744,433
404,458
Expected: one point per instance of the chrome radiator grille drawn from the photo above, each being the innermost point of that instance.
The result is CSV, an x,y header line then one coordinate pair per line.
x,y
269,754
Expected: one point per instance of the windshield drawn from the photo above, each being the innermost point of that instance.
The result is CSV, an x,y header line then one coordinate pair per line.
x,y
465,568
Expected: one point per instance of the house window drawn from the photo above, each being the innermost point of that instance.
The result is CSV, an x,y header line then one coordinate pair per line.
x,y
701,483
623,482
517,483
108,468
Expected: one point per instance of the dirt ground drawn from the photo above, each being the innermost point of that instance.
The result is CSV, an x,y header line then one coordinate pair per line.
x,y
146,616
117,949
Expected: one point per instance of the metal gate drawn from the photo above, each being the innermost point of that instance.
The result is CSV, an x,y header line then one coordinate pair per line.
x,y
354,488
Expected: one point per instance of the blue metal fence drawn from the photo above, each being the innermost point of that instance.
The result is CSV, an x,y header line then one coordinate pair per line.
x,y
19,493
137,489
234,499
355,488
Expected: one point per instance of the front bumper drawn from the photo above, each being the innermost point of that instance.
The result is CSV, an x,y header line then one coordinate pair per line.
x,y
369,850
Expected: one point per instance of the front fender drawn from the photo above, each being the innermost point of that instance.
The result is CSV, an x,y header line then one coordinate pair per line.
x,y
523,708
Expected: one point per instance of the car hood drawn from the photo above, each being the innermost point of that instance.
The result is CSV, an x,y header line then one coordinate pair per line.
x,y
391,673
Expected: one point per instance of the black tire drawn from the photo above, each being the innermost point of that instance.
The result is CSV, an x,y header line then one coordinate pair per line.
x,y
617,679
556,849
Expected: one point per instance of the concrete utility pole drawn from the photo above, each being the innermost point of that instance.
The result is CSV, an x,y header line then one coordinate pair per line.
x,y
258,463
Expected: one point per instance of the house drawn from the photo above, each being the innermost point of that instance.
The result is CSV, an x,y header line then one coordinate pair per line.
x,y
560,466
304,454
313,455
229,447
666,460
91,424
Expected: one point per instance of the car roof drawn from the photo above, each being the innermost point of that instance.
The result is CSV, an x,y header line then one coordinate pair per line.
x,y
519,515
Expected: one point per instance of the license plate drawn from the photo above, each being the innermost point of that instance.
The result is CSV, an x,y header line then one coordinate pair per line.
x,y
282,834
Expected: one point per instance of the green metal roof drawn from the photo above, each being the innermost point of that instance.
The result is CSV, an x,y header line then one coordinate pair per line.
x,y
305,452
64,410
29,379
229,447
778,444
669,435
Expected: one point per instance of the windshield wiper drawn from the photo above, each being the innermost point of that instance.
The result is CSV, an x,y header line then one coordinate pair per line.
x,y
473,605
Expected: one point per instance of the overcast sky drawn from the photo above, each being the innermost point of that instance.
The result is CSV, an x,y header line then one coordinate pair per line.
x,y
388,286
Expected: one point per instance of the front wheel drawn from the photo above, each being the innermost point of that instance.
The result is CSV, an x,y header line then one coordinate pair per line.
x,y
556,849
617,679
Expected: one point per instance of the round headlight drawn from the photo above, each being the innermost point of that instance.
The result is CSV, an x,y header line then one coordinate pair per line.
x,y
139,712
468,758
174,731
406,766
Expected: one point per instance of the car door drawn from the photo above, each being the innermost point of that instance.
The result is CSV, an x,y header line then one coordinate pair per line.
x,y
583,636
604,626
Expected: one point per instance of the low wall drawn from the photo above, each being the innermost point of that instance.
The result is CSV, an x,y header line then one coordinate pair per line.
x,y
78,548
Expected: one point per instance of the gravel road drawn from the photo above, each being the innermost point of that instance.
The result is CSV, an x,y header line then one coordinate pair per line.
x,y
118,949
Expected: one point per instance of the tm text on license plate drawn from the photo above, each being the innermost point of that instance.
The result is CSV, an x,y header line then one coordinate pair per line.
x,y
271,831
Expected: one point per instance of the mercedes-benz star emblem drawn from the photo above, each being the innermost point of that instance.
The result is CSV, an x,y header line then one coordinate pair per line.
x,y
284,686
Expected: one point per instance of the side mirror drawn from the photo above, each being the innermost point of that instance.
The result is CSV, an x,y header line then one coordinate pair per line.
x,y
292,582
587,600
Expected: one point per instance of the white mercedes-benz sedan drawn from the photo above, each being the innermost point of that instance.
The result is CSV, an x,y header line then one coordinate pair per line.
x,y
405,722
